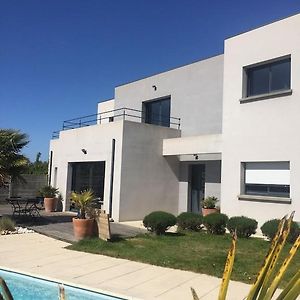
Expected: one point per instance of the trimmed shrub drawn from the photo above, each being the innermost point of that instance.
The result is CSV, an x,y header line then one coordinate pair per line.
x,y
244,226
270,227
7,223
189,221
159,221
215,223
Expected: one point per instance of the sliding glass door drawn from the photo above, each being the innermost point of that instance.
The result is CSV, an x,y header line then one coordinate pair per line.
x,y
88,175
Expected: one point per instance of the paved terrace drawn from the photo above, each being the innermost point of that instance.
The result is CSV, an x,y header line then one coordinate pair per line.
x,y
59,225
43,256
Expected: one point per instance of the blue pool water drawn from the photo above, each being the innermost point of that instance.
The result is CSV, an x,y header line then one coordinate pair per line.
x,y
25,287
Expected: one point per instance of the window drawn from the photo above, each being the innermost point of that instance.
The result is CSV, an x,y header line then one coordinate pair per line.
x,y
269,77
158,112
267,179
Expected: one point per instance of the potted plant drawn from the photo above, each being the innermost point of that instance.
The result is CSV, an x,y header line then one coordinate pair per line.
x,y
209,205
83,227
49,193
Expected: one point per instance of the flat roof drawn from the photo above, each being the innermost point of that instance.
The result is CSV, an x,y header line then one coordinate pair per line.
x,y
263,25
171,69
106,100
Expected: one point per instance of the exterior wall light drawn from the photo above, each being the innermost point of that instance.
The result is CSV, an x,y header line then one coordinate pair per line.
x,y
196,156
154,87
84,151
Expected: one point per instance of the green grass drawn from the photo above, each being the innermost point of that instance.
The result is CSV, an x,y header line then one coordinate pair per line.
x,y
192,251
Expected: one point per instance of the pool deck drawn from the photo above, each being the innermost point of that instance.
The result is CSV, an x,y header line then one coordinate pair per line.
x,y
39,255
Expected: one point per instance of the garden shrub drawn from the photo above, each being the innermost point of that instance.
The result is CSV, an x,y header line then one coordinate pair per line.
x,y
215,223
270,227
7,223
189,221
244,226
159,221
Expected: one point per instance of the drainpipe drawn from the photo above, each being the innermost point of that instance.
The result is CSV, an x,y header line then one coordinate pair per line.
x,y
112,167
50,167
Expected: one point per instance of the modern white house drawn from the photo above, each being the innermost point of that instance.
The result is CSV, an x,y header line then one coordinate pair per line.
x,y
226,126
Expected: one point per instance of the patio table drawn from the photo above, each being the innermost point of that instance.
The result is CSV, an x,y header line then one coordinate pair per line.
x,y
24,206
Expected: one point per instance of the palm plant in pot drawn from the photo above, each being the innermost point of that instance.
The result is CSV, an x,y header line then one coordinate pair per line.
x,y
209,205
83,227
49,193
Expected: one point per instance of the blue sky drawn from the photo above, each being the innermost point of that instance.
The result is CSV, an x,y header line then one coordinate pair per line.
x,y
58,58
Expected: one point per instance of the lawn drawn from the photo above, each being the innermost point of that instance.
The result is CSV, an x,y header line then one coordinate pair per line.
x,y
192,251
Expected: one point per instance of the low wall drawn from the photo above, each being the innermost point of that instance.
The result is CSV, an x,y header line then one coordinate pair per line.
x,y
4,192
30,187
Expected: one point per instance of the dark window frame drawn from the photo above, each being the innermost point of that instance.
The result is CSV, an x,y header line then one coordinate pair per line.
x,y
269,190
267,65
160,119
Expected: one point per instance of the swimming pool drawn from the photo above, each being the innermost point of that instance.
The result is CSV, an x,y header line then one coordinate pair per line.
x,y
24,287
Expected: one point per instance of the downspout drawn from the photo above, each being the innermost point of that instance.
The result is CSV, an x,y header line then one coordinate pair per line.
x,y
50,167
112,168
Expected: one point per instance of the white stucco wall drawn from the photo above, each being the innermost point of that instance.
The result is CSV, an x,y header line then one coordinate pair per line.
x,y
149,181
97,140
213,179
195,90
201,144
144,180
105,109
183,193
266,130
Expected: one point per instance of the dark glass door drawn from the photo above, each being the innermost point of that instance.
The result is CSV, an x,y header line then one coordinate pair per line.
x,y
197,186
88,175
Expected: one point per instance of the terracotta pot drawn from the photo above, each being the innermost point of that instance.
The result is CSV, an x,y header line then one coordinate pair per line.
x,y
208,211
50,204
83,228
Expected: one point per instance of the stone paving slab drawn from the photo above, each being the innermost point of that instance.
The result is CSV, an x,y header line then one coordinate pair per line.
x,y
42,256
59,225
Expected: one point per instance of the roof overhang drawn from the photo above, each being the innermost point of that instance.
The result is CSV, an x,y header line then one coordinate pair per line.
x,y
201,145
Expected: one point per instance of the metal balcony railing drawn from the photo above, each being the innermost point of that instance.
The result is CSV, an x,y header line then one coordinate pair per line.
x,y
119,114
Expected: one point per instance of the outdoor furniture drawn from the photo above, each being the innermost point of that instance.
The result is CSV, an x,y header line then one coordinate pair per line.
x,y
24,206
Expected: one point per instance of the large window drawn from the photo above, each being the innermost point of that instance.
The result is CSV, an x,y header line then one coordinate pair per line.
x,y
267,179
269,77
157,112
88,175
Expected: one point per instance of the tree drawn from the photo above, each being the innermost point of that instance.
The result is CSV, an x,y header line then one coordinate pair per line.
x,y
38,167
12,162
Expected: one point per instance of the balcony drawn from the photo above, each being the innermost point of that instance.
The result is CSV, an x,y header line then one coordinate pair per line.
x,y
128,114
